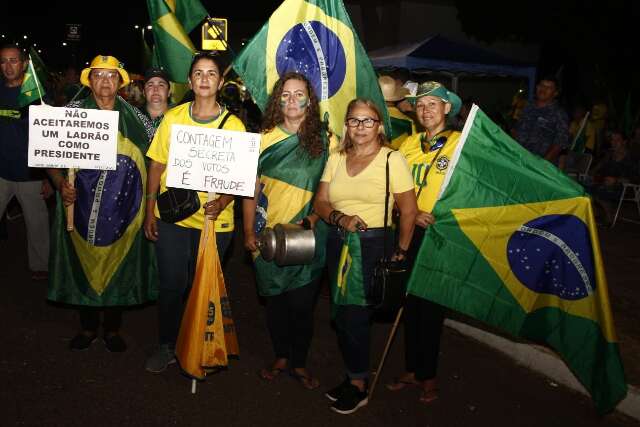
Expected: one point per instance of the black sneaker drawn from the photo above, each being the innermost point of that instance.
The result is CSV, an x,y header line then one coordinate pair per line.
x,y
82,341
115,343
335,393
350,400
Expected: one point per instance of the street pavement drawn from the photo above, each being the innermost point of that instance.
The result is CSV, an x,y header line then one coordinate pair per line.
x,y
45,384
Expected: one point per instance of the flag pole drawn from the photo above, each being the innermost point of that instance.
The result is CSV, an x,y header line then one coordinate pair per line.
x,y
582,125
35,78
71,177
392,335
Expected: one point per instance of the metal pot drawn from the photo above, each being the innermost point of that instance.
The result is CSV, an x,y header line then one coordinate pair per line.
x,y
287,244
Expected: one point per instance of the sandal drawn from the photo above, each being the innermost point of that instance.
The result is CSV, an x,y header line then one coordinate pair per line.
x,y
305,380
398,384
428,396
269,374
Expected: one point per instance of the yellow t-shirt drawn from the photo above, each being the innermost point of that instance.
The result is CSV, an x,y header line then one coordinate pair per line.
x,y
159,152
421,163
363,194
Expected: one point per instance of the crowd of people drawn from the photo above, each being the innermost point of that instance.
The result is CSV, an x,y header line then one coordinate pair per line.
x,y
125,252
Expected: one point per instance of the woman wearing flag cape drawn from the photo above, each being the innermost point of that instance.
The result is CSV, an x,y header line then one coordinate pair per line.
x,y
105,263
293,152
177,243
351,197
428,155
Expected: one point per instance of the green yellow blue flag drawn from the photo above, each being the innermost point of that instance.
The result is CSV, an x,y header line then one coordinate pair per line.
x,y
317,39
515,245
32,88
106,260
172,21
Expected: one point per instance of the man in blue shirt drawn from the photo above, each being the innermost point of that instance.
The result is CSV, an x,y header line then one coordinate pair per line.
x,y
28,185
543,128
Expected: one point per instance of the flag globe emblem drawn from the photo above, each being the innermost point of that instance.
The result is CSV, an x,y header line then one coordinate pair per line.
x,y
103,223
552,254
315,51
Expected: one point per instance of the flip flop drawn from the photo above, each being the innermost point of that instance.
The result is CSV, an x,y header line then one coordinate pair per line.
x,y
269,374
428,396
398,384
306,381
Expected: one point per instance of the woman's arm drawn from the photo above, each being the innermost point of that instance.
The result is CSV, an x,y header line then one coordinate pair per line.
x,y
67,192
408,210
249,205
323,208
154,172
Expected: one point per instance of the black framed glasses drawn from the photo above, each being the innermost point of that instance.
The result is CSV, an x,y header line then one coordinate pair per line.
x,y
353,122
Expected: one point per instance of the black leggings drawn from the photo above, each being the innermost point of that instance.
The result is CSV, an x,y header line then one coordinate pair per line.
x,y
423,322
290,323
90,318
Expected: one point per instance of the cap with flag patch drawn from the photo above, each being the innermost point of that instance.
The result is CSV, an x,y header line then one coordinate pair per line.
x,y
439,91
108,63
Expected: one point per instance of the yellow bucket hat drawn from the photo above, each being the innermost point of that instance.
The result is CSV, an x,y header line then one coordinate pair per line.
x,y
108,63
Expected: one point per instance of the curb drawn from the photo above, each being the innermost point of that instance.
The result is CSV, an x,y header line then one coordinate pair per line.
x,y
543,361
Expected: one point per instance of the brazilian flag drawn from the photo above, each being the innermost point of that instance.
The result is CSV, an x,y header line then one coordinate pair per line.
x,y
347,284
32,89
106,260
288,180
172,21
315,38
515,245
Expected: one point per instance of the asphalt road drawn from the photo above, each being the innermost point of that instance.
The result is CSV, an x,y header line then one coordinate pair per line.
x,y
45,384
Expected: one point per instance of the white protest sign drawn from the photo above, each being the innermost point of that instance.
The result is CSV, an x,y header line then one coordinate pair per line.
x,y
213,160
78,138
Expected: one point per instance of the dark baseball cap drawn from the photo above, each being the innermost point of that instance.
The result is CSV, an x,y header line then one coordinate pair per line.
x,y
156,72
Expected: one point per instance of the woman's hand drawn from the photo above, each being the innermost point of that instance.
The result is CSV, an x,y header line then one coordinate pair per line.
x,y
250,241
425,219
352,223
151,227
67,192
212,209
312,219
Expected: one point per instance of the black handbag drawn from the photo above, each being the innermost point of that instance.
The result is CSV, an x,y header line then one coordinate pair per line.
x,y
389,280
177,204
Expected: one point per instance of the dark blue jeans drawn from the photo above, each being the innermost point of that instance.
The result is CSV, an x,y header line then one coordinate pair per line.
x,y
177,253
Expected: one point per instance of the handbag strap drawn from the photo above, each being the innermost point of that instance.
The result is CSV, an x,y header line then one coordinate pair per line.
x,y
224,120
386,206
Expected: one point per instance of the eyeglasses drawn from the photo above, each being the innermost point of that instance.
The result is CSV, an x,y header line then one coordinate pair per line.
x,y
352,122
109,75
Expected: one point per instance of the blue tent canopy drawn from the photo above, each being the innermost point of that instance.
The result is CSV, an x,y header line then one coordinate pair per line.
x,y
438,53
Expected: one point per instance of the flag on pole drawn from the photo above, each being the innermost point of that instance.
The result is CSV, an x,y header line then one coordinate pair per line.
x,y
515,245
32,88
172,20
207,335
315,38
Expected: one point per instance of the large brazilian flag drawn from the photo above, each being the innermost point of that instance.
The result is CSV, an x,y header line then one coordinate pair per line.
x,y
106,260
515,245
315,38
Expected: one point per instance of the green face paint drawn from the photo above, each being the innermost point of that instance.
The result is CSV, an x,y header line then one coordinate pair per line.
x,y
299,97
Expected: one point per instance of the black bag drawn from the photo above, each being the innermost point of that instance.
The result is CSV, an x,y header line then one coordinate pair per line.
x,y
389,280
177,204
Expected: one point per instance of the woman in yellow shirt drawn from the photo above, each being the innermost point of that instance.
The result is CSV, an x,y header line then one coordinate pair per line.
x,y
351,198
429,155
177,243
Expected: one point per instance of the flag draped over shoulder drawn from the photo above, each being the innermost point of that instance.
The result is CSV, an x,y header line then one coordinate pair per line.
x,y
32,88
317,39
207,333
172,21
515,245
106,260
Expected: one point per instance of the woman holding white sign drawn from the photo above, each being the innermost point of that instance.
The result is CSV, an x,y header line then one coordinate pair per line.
x,y
293,151
177,241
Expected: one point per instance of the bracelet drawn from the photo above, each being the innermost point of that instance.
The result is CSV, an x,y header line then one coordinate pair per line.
x,y
340,216
333,217
400,251
152,196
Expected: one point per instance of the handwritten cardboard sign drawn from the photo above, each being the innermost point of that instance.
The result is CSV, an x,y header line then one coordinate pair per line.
x,y
78,138
213,160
